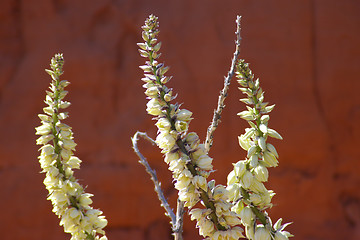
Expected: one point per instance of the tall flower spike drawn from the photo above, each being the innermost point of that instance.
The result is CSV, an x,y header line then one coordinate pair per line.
x,y
70,201
186,157
245,182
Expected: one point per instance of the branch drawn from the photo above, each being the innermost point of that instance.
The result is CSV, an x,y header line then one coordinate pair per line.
x,y
178,228
223,93
153,177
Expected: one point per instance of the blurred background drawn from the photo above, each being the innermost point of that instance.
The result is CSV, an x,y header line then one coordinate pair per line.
x,y
306,54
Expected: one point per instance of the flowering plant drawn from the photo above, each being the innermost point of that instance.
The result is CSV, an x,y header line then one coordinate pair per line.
x,y
221,212
70,201
218,210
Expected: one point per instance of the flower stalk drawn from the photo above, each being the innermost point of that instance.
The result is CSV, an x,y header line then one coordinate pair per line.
x,y
187,158
246,181
223,93
70,201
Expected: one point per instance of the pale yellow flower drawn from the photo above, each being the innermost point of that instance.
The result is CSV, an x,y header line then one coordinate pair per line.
x,y
261,173
204,162
165,140
261,233
247,216
69,200
184,115
154,107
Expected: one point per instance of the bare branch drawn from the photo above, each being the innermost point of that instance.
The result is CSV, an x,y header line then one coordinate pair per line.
x,y
223,93
179,220
153,176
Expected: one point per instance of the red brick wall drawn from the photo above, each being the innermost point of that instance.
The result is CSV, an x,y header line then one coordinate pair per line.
x,y
306,53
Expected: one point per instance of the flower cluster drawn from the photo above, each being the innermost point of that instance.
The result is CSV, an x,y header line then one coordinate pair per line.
x,y
185,156
70,202
246,181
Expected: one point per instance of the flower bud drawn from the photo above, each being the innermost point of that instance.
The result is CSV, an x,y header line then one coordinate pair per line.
x,y
189,196
200,182
236,233
171,157
211,184
257,186
184,115
249,132
67,144
270,159
247,216
246,115
181,126
231,178
254,160
163,124
251,150
274,134
261,173
63,115
263,128
264,118
63,126
154,107
206,227
74,162
152,91
146,68
272,149
48,110
204,162
244,143
232,220
165,80
233,190
64,104
65,154
220,192
168,96
238,207
165,141
85,200
255,199
64,83
177,166
268,109
45,118
262,143
196,213
240,168
44,139
44,129
246,180
47,160
262,233
182,182
47,150
266,198
277,225
199,151
280,236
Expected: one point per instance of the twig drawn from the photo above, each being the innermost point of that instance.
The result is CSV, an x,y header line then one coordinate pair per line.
x,y
153,176
223,93
179,220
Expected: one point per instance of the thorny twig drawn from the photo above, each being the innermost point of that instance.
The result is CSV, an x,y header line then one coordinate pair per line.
x,y
223,93
176,220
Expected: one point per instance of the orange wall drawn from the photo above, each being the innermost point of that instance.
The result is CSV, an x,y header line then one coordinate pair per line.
x,y
306,53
